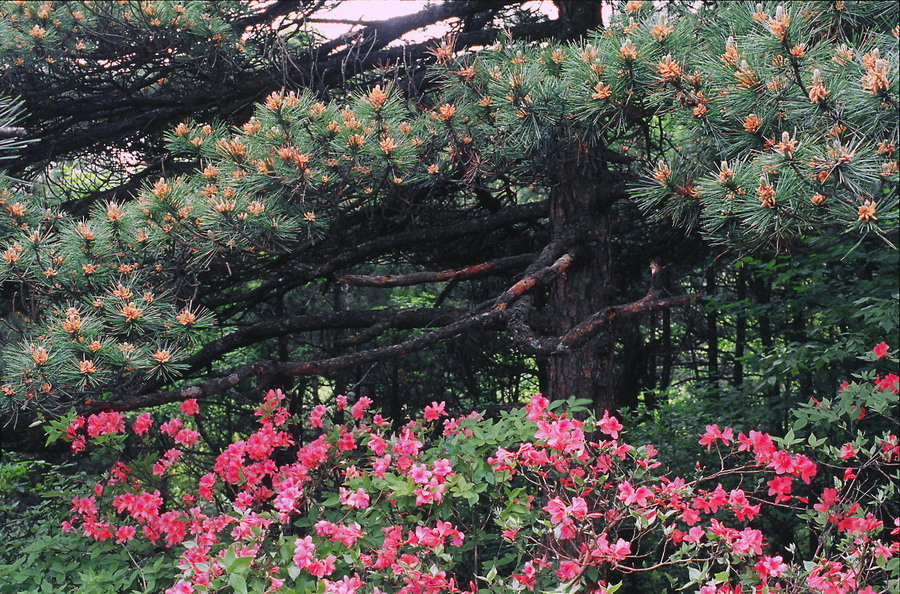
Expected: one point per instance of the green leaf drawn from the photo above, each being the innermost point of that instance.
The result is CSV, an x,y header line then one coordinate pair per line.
x,y
228,558
241,565
238,583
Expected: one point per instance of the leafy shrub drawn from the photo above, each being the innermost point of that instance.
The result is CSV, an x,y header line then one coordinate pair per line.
x,y
536,499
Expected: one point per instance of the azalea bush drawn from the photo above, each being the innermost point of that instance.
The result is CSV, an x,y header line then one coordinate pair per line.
x,y
542,498
35,497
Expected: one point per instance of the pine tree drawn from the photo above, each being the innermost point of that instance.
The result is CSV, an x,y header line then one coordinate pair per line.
x,y
759,126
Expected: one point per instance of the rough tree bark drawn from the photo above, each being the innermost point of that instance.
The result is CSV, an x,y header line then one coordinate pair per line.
x,y
580,203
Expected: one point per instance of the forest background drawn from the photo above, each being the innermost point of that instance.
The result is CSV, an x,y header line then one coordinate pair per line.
x,y
678,213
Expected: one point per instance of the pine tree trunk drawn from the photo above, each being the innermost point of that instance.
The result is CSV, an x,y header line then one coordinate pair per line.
x,y
667,354
712,331
579,204
578,17
740,332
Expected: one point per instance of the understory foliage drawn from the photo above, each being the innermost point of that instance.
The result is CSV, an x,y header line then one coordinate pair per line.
x,y
533,500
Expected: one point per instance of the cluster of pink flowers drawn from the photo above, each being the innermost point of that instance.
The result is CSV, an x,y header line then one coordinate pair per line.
x,y
566,491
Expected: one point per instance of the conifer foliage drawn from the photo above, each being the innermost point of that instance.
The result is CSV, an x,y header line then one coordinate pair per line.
x,y
757,124
787,123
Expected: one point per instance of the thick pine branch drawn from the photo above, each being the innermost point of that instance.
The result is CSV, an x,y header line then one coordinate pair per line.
x,y
484,320
532,280
403,319
378,34
580,334
495,318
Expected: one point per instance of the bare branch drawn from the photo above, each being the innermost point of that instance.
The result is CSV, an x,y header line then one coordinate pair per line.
x,y
527,338
583,332
403,319
416,278
532,280
378,34
480,320
381,246
319,367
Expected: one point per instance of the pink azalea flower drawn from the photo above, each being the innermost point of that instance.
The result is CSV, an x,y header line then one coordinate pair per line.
x,y
888,384
804,468
346,442
377,444
142,424
321,567
358,499
629,495
434,411
105,423
782,462
556,508
568,570
420,474
189,407
347,585
442,468
780,487
204,486
713,433
610,425
187,437
172,426
694,534
564,435
124,534
770,567
749,541
315,416
304,552
359,408
536,407
380,465
578,509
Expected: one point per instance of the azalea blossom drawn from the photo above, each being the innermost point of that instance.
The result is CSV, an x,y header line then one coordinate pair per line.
x,y
434,411
105,423
629,495
189,407
609,425
770,566
713,433
142,424
358,499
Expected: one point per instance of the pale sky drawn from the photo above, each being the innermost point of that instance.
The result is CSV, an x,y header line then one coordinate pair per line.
x,y
363,11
